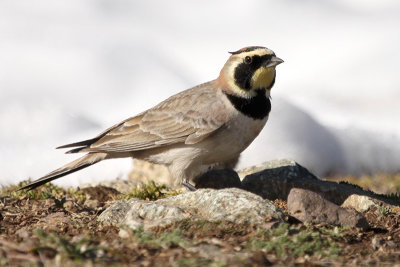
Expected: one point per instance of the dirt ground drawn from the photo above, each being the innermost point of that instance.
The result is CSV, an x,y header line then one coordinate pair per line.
x,y
52,226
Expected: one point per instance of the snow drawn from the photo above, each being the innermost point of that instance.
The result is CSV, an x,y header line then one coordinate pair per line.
x,y
70,69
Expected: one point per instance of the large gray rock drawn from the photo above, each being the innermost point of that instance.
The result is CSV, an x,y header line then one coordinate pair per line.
x,y
307,206
233,205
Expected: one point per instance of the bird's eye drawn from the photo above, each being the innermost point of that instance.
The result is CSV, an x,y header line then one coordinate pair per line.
x,y
247,60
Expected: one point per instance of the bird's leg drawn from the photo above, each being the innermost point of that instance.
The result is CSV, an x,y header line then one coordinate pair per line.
x,y
189,185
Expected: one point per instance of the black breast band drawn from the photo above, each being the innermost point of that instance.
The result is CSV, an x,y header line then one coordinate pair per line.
x,y
257,107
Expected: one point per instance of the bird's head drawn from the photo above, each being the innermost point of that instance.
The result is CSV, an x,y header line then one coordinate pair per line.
x,y
249,70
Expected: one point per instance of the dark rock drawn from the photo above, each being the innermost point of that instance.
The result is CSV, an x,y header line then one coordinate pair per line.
x,y
278,177
218,179
308,206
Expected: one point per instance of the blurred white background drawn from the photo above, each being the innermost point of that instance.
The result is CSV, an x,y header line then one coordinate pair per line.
x,y
70,69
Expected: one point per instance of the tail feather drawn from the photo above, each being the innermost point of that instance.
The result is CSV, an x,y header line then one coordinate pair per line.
x,y
81,143
75,150
76,165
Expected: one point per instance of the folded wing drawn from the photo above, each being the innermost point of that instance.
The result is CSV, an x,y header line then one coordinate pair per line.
x,y
188,117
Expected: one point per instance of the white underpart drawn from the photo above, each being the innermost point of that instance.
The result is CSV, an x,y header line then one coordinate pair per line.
x,y
186,162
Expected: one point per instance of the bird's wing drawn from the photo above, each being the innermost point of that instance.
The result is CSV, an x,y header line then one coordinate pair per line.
x,y
187,117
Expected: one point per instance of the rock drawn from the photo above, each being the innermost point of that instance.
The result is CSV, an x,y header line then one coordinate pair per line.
x,y
391,244
274,179
308,206
145,172
364,203
278,177
68,205
272,164
92,203
123,234
218,179
22,233
117,212
359,203
142,213
233,205
377,243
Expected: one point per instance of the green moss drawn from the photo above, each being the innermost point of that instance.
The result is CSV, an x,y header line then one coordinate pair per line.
x,y
200,228
163,240
43,192
52,244
384,211
46,191
292,241
150,191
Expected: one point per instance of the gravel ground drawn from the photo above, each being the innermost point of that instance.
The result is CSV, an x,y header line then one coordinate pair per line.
x,y
52,225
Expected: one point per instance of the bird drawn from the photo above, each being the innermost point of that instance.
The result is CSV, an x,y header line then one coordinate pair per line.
x,y
202,128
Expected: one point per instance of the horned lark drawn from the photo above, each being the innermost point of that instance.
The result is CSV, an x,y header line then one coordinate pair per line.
x,y
199,129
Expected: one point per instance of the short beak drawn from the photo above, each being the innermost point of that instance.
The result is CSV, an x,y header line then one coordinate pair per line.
x,y
274,61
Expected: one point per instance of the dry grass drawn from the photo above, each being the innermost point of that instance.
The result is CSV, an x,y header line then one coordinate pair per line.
x,y
53,225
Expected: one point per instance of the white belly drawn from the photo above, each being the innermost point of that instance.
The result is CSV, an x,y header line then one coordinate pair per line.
x,y
232,140
186,162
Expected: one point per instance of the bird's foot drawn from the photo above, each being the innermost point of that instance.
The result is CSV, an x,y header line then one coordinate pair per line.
x,y
189,186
